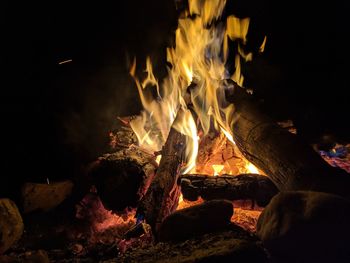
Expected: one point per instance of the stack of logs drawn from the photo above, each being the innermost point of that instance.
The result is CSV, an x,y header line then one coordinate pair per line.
x,y
289,163
311,191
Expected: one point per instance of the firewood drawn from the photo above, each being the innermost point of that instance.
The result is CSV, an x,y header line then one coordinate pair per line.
x,y
289,162
122,178
254,187
162,196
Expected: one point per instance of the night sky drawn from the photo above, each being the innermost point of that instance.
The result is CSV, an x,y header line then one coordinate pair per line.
x,y
57,117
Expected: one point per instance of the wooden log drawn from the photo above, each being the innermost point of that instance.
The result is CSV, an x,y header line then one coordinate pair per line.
x,y
255,187
163,194
284,157
122,178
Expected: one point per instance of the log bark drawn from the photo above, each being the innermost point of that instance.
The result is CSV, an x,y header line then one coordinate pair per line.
x,y
255,187
284,157
122,178
162,196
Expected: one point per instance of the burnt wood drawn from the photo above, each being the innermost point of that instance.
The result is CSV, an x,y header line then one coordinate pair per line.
x,y
122,178
291,163
255,187
162,196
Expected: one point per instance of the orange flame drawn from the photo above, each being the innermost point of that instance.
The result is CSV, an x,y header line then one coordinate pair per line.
x,y
199,56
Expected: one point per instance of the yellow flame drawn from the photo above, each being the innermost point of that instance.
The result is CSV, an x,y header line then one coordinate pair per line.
x,y
158,158
262,47
237,28
217,169
251,168
207,9
187,126
199,56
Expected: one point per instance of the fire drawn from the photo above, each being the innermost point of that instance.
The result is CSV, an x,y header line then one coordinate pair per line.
x,y
217,169
197,59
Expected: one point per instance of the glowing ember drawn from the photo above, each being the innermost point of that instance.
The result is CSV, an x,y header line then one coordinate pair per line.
x,y
106,227
247,219
339,156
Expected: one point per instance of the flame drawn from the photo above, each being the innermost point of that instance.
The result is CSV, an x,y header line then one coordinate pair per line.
x,y
252,168
217,169
237,28
187,126
199,57
262,47
158,158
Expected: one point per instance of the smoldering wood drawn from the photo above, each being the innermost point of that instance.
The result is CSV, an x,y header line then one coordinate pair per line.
x,y
290,163
162,196
122,178
254,187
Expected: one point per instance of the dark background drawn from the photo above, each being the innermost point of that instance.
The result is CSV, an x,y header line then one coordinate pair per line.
x,y
57,117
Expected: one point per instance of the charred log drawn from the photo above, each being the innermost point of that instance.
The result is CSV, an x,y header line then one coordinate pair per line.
x,y
122,178
162,196
284,157
254,187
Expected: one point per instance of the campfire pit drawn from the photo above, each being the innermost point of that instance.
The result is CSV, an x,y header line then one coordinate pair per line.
x,y
201,175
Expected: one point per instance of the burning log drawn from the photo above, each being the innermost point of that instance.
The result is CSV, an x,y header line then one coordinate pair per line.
x,y
255,187
286,159
123,177
162,196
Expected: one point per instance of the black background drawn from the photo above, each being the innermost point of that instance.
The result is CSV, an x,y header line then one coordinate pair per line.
x,y
57,117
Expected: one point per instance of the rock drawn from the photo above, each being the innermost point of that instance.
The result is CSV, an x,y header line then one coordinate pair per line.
x,y
11,224
45,197
196,220
39,256
304,226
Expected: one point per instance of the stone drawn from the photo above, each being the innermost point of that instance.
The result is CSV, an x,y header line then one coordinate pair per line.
x,y
196,220
45,197
11,224
305,226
